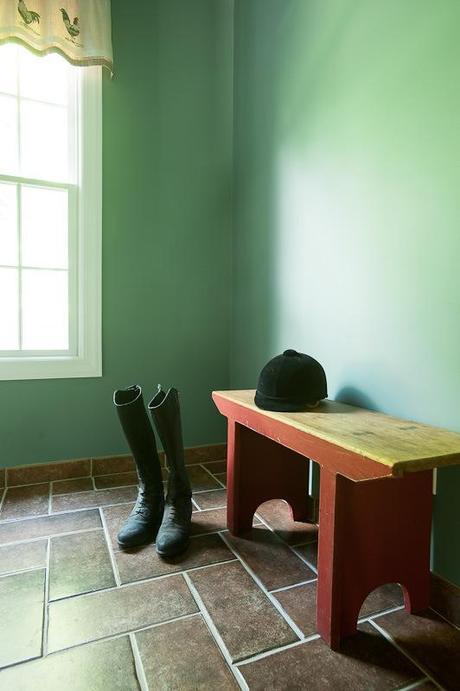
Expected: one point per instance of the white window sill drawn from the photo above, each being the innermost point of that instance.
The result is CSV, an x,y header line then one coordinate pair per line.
x,y
61,367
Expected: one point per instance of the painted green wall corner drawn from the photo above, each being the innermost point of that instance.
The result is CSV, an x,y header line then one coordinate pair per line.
x,y
167,162
346,212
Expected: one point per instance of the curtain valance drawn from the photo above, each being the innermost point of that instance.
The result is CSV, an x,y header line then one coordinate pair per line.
x,y
78,29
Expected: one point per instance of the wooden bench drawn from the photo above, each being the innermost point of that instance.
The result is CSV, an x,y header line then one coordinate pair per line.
x,y
375,494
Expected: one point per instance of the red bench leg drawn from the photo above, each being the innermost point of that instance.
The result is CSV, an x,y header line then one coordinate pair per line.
x,y
371,533
259,469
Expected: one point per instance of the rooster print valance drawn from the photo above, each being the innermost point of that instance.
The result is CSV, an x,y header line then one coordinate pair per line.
x,y
78,29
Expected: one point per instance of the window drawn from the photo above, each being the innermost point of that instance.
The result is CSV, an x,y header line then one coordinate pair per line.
x,y
50,217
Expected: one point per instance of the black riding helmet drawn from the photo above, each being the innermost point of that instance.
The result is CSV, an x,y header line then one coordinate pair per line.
x,y
291,382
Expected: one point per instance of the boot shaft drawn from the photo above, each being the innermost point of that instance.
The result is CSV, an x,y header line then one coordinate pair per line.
x,y
164,409
138,431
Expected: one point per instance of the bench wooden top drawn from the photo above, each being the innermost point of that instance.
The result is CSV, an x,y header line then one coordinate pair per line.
x,y
402,445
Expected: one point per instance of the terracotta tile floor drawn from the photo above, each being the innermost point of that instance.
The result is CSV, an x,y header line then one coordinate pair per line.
x,y
76,612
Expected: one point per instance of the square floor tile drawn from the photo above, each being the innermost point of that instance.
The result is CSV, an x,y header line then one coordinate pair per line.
x,y
114,517
116,480
183,655
102,666
309,552
144,562
300,604
28,555
222,477
200,479
86,500
113,464
430,641
48,525
366,661
79,563
277,514
28,500
244,616
46,472
80,484
214,499
216,467
21,616
205,454
108,612
270,558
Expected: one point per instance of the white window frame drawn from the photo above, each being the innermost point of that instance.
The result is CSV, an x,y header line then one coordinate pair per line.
x,y
85,242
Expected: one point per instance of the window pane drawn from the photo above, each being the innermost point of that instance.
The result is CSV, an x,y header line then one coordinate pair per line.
x,y
44,78
9,326
8,135
44,141
8,72
45,319
44,227
8,225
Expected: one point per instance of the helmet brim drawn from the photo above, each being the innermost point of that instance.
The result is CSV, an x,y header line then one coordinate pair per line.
x,y
283,406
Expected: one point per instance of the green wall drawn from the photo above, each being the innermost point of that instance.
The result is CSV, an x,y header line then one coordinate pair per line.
x,y
347,212
167,156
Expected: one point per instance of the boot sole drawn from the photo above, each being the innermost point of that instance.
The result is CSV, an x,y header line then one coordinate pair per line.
x,y
147,541
175,553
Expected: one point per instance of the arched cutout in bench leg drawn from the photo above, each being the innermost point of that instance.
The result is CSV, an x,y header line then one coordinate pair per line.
x,y
371,532
259,469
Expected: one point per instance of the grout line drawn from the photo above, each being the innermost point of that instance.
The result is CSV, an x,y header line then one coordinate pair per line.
x,y
140,581
108,540
20,663
120,634
2,498
222,486
257,580
17,572
391,640
416,685
306,542
29,570
213,462
155,578
215,634
46,601
207,566
45,537
140,671
212,508
291,547
71,494
294,585
122,472
207,491
382,613
9,521
273,651
448,621
43,482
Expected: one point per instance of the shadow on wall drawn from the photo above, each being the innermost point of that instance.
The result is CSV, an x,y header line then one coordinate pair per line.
x,y
276,48
353,396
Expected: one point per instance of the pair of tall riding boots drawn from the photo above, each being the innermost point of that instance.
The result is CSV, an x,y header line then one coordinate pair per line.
x,y
153,517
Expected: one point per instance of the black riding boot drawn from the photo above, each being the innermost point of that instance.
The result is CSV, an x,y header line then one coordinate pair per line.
x,y
144,520
174,534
